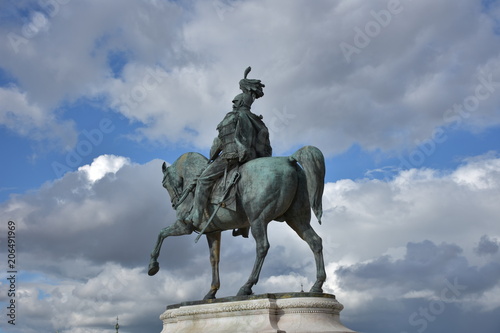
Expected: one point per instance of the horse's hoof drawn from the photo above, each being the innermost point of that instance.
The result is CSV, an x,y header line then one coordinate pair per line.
x,y
317,290
244,291
154,267
210,295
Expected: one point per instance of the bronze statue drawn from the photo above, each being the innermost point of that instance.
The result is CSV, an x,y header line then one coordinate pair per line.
x,y
267,188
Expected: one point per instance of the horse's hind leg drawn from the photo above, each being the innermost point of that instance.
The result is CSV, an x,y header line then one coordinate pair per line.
x,y
303,228
213,239
177,229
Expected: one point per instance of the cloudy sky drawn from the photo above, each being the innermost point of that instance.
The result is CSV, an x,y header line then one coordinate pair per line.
x,y
400,95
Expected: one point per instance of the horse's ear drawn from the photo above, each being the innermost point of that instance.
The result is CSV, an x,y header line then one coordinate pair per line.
x,y
164,167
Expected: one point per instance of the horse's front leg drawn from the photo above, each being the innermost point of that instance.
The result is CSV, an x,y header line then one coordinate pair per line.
x,y
213,239
179,228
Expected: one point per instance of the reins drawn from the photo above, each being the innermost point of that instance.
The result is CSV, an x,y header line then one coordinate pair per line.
x,y
179,198
184,194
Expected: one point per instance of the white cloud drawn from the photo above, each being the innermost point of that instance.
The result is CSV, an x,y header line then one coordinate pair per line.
x,y
396,90
27,119
422,225
103,165
383,215
91,306
67,59
169,104
480,173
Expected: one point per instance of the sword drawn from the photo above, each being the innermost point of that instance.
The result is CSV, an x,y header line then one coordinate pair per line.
x,y
226,191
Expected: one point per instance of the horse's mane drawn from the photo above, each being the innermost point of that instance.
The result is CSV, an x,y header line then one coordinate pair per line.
x,y
190,163
191,157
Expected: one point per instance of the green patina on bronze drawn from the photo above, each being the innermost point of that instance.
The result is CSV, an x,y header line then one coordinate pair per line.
x,y
269,189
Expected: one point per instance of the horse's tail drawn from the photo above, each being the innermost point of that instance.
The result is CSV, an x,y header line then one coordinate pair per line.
x,y
313,162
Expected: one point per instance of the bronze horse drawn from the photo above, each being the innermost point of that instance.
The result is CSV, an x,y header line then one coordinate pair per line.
x,y
270,188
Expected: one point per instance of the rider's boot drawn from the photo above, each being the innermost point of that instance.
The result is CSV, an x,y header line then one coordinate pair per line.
x,y
201,196
195,218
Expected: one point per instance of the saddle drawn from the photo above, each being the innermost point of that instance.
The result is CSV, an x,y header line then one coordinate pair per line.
x,y
220,187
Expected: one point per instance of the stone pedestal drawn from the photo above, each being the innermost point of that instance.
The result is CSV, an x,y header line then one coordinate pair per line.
x,y
267,313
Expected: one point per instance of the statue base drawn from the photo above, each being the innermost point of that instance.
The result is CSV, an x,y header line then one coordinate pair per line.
x,y
267,313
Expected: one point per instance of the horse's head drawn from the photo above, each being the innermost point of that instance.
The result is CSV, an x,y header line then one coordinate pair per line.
x,y
180,177
172,182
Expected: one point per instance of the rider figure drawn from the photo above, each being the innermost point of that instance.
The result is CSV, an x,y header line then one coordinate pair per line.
x,y
242,137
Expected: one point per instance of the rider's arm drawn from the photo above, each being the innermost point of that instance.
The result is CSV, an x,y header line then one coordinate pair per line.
x,y
216,148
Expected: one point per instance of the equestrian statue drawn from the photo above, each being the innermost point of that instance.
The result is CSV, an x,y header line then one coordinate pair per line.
x,y
241,187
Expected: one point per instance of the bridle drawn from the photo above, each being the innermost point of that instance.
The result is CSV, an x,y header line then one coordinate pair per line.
x,y
178,198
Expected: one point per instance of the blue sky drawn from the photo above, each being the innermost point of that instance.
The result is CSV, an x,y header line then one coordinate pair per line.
x,y
401,97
